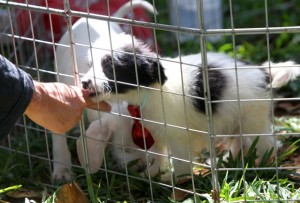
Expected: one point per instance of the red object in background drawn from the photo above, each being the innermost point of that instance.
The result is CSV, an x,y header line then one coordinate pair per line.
x,y
97,7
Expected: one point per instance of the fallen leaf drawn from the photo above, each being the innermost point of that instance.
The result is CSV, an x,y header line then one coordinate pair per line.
x,y
178,195
70,193
22,193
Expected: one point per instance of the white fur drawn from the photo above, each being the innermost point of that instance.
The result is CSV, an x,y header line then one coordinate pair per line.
x,y
233,118
85,32
180,132
282,72
116,130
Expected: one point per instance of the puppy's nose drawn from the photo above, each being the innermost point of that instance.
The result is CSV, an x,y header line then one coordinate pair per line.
x,y
86,84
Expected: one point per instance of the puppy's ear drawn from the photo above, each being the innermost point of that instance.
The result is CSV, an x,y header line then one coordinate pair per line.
x,y
158,70
145,62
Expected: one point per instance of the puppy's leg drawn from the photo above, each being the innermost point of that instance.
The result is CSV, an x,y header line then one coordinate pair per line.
x,y
97,136
61,159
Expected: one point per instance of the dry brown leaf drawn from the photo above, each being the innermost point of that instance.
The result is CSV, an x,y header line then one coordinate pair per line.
x,y
70,193
178,195
22,193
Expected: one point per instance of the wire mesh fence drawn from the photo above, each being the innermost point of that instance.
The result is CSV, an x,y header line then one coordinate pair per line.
x,y
62,41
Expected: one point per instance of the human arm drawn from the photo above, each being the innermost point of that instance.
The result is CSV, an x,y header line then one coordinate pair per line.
x,y
58,107
55,106
16,89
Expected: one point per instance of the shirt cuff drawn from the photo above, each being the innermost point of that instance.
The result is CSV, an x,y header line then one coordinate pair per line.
x,y
16,95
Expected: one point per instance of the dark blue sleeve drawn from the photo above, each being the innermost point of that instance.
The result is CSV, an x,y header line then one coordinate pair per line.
x,y
16,90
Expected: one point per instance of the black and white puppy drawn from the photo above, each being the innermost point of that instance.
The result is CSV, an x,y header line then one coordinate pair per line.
x,y
171,93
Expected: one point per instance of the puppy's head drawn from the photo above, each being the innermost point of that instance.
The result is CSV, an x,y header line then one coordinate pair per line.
x,y
123,70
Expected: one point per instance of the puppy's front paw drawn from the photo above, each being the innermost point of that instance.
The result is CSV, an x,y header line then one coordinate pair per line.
x,y
97,136
94,151
61,174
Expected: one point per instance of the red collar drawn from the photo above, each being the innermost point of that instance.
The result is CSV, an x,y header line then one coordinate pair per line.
x,y
138,133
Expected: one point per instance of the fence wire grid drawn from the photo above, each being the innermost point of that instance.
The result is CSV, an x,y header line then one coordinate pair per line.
x,y
30,36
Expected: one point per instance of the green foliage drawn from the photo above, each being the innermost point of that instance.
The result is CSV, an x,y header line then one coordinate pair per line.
x,y
288,124
246,14
258,190
14,187
249,185
236,185
248,160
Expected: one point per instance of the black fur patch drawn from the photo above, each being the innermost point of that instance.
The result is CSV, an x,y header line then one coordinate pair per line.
x,y
267,79
149,70
217,83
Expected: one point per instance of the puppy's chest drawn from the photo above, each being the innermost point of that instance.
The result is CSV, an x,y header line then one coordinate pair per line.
x,y
175,115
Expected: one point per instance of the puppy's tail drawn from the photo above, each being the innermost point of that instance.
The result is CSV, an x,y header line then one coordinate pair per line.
x,y
282,72
127,7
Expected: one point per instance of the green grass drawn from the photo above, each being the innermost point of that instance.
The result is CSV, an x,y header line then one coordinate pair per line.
x,y
258,190
236,185
111,187
248,184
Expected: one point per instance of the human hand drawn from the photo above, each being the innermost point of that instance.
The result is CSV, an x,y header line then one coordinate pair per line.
x,y
59,107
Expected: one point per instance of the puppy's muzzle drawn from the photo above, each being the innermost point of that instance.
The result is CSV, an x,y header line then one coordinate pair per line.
x,y
94,89
88,85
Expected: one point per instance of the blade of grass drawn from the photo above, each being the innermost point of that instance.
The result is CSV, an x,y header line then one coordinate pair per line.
x,y
15,187
91,189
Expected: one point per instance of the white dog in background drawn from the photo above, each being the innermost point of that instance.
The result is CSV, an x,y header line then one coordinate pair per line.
x,y
85,32
170,93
